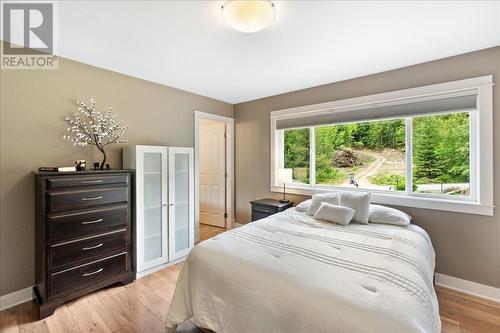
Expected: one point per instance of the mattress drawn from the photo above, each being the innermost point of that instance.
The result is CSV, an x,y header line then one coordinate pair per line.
x,y
292,273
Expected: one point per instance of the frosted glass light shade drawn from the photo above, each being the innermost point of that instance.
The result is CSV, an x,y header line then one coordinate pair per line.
x,y
248,16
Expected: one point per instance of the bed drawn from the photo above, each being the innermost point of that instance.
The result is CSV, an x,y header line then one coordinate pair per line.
x,y
292,273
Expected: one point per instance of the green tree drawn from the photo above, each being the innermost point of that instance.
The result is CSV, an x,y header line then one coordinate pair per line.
x,y
441,148
297,153
453,148
425,136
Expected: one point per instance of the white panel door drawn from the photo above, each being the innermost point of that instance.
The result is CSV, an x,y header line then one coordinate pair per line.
x,y
181,202
212,159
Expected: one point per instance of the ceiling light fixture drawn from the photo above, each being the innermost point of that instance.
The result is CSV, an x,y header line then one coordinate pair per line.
x,y
248,15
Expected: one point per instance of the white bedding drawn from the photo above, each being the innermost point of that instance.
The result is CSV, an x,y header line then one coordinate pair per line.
x,y
292,273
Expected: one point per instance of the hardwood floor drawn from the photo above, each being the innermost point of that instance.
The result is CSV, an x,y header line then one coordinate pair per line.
x,y
142,306
466,313
208,231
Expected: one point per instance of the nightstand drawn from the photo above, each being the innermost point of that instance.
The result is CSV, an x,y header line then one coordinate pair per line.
x,y
266,207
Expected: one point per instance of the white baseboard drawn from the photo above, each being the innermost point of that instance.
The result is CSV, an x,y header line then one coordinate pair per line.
x,y
138,275
468,287
15,298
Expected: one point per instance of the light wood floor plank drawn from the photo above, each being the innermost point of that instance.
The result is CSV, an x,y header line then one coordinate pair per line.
x,y
26,313
166,294
450,326
8,322
486,311
86,317
130,306
142,307
153,282
149,299
63,321
105,306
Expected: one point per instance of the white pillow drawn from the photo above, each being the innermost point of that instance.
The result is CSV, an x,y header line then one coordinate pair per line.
x,y
333,213
317,199
360,202
303,206
387,215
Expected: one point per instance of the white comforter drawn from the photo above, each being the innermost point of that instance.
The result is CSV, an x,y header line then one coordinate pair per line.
x,y
292,273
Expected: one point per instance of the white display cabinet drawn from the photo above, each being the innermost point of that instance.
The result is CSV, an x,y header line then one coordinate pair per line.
x,y
164,204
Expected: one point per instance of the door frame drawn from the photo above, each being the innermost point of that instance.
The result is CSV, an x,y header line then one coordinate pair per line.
x,y
199,115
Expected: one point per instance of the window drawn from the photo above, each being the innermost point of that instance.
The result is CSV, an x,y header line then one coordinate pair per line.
x,y
417,147
441,157
369,155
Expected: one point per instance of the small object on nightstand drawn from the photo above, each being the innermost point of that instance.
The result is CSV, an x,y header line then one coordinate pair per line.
x,y
266,207
108,167
96,166
80,165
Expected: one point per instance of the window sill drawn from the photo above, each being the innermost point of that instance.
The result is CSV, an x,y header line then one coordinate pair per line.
x,y
442,204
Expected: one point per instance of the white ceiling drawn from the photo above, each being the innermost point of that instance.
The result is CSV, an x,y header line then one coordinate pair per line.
x,y
187,45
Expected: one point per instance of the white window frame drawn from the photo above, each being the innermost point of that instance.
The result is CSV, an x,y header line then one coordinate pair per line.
x,y
480,201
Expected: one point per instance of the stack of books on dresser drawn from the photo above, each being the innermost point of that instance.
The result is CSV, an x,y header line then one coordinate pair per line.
x,y
57,169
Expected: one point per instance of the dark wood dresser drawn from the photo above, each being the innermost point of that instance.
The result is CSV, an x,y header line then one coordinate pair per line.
x,y
266,207
83,234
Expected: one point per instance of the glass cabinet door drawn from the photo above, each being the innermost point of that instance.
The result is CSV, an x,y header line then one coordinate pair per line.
x,y
181,205
153,227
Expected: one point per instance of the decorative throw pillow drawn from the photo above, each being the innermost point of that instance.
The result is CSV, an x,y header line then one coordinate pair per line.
x,y
303,206
333,213
360,202
387,215
317,199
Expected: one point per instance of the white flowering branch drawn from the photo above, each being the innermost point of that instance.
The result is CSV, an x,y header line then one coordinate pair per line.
x,y
91,127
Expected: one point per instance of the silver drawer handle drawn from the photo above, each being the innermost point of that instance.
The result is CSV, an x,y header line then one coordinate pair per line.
x,y
91,222
92,273
93,198
92,181
92,247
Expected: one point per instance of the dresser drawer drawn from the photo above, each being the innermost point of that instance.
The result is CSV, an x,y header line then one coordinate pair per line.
x,y
85,223
77,199
60,182
85,275
68,253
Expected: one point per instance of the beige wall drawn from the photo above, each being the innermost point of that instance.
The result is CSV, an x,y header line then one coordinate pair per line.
x,y
33,106
467,246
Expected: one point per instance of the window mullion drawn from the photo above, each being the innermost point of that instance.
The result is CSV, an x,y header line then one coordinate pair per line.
x,y
409,155
312,157
281,161
473,157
